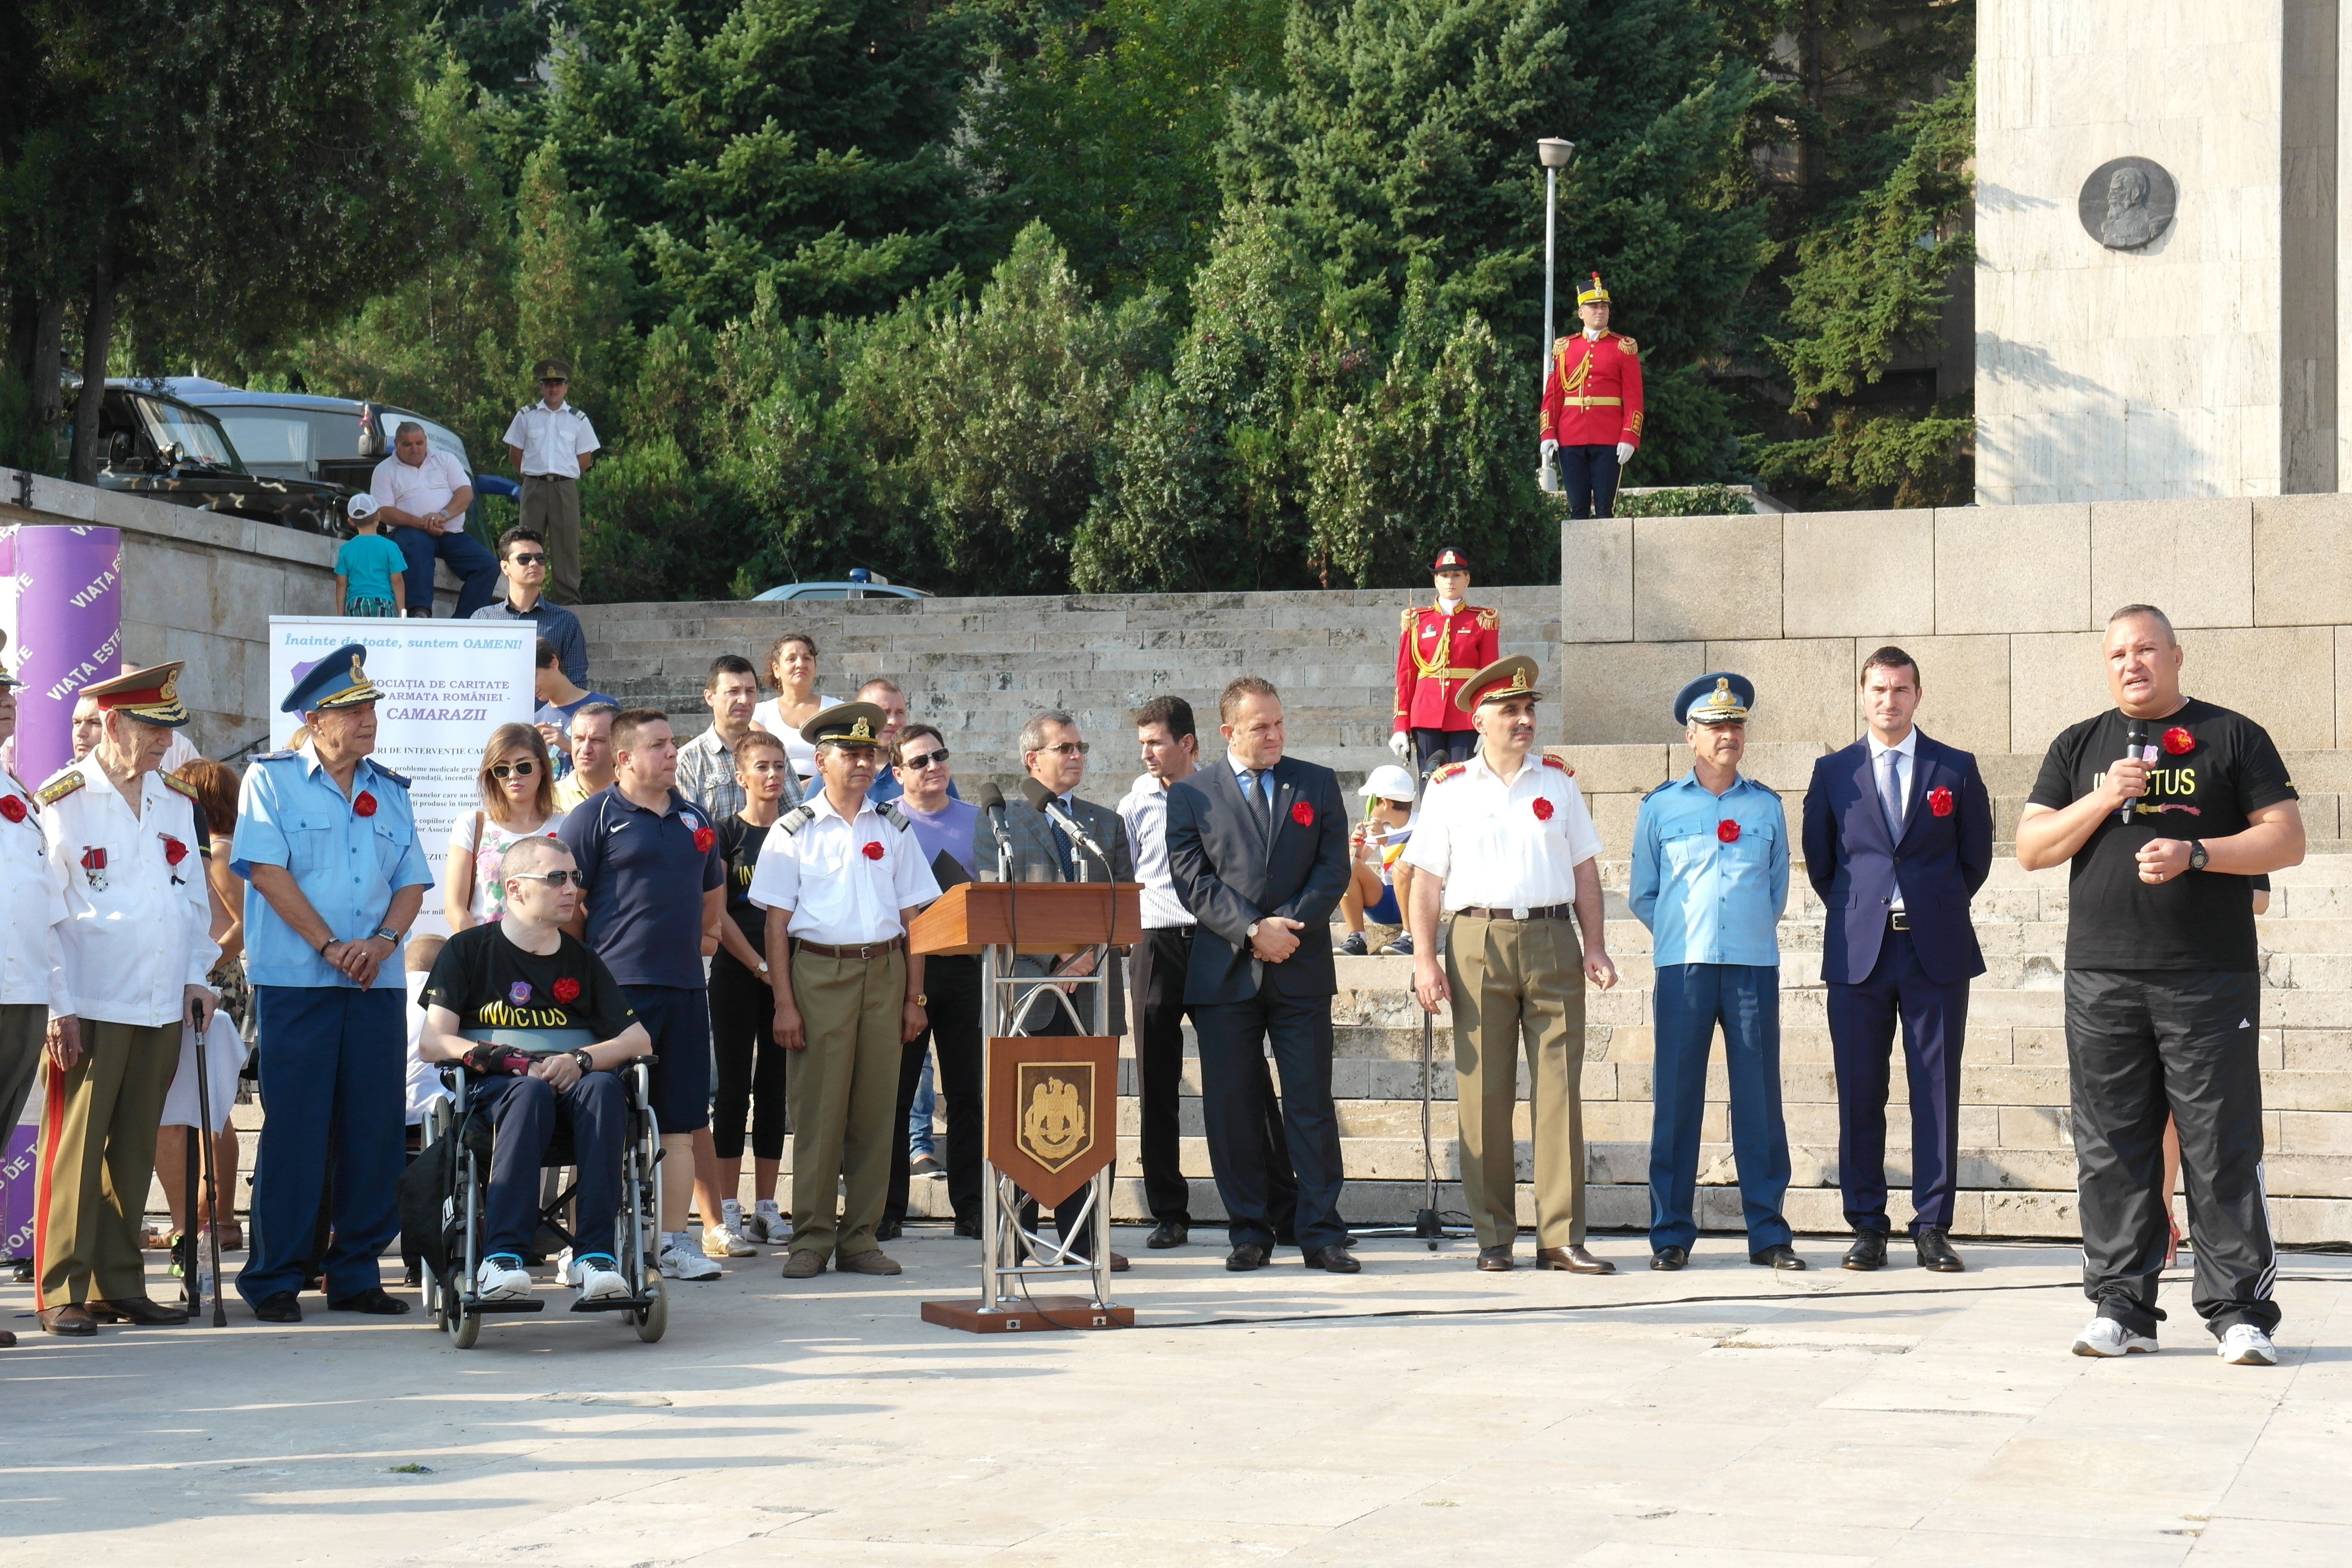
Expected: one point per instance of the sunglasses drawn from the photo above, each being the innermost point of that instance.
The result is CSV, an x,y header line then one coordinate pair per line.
x,y
1070,748
552,878
519,770
926,760
528,559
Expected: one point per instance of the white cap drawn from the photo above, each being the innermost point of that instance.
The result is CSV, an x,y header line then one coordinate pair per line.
x,y
361,507
1389,782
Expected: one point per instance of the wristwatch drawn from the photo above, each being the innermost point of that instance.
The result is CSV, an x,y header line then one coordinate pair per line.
x,y
2197,855
387,934
586,1062
763,966
1252,932
922,1001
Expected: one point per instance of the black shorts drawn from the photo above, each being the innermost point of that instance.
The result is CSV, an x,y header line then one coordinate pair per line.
x,y
678,1019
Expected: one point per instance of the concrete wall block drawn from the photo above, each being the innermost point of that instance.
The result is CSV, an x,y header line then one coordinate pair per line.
x,y
1596,588
1868,574
2054,680
1619,769
1699,577
1622,693
2194,560
2013,569
2270,674
1963,682
2298,541
1804,689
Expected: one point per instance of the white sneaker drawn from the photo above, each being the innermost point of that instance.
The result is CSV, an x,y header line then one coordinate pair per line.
x,y
769,1225
681,1260
730,1214
502,1278
599,1278
2246,1345
2105,1337
720,1241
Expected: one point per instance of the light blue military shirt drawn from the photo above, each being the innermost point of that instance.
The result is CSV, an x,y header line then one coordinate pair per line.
x,y
348,857
1706,899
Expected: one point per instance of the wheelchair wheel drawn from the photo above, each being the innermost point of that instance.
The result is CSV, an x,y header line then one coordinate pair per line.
x,y
465,1328
652,1322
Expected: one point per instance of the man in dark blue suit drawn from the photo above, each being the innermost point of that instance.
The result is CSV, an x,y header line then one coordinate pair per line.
x,y
1898,837
1258,848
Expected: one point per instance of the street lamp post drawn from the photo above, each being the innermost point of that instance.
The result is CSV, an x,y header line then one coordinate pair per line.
x,y
1554,154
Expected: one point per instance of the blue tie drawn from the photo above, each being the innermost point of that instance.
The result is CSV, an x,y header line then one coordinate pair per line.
x,y
1266,788
1062,844
1890,793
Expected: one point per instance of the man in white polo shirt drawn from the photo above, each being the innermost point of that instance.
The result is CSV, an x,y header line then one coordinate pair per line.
x,y
553,444
422,496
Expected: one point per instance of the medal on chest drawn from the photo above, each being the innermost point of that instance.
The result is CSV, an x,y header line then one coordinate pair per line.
x,y
93,866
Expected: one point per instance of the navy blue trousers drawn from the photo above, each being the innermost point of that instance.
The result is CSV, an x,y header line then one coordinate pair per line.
x,y
1235,1099
1691,999
678,1019
334,1068
1935,1019
477,568
525,1112
1589,475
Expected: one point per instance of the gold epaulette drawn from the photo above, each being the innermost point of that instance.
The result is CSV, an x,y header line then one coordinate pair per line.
x,y
184,786
57,788
1552,762
1629,345
1489,619
1448,771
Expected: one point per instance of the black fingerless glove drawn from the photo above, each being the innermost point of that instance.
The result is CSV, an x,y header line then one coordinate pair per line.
x,y
493,1060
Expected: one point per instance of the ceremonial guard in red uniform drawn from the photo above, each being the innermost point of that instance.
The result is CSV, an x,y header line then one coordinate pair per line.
x,y
1439,646
1592,408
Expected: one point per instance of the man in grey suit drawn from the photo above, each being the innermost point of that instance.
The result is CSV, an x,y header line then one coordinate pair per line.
x,y
1257,846
1055,756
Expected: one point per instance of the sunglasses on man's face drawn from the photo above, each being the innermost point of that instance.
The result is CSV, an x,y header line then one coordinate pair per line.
x,y
1070,748
917,764
532,560
552,878
519,770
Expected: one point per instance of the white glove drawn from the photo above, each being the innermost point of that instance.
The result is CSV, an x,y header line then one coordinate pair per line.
x,y
1624,453
1402,744
1549,446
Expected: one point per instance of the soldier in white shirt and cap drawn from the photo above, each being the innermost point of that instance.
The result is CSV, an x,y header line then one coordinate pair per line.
x,y
122,843
1507,849
552,445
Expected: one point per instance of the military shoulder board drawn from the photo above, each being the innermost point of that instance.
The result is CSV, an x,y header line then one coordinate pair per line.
x,y
274,756
183,785
1552,762
400,779
57,788
792,821
893,816
1447,772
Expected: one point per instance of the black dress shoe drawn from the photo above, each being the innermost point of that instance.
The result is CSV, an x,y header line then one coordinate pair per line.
x,y
888,1230
1936,1250
968,1228
1247,1255
1779,1255
1171,1232
1666,1259
282,1307
1493,1260
72,1321
1335,1260
373,1300
1868,1251
139,1311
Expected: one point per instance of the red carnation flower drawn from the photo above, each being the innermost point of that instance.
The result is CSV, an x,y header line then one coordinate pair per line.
x,y
566,989
2180,742
1302,813
1940,801
363,804
872,849
1728,831
704,838
174,850
1543,809
11,808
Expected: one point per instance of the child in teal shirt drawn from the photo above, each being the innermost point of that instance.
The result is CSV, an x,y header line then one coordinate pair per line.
x,y
368,569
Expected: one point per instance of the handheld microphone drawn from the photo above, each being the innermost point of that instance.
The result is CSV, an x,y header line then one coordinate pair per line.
x,y
1043,799
2134,750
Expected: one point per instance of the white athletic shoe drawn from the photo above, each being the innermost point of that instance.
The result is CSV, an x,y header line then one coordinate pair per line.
x,y
769,1226
730,1214
720,1241
680,1259
2246,1345
2105,1337
599,1278
502,1278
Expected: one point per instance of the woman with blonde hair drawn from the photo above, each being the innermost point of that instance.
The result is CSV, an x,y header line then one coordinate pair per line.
x,y
518,790
792,670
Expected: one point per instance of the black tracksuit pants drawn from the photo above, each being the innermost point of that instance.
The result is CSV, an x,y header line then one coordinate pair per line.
x,y
1158,963
952,983
2139,1044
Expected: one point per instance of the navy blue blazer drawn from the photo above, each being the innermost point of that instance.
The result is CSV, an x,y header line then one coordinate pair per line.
x,y
1939,863
1228,875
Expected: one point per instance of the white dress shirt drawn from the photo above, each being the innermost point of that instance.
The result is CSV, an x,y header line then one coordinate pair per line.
x,y
813,862
1906,752
138,928
1504,844
1144,809
32,959
551,439
422,490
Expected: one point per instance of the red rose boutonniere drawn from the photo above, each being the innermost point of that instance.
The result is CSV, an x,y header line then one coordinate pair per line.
x,y
566,990
1940,801
2180,742
1728,831
1542,809
704,838
363,804
872,849
174,853
1302,813
11,808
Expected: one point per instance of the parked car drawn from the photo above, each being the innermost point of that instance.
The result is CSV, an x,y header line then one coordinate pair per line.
x,y
301,435
155,444
862,584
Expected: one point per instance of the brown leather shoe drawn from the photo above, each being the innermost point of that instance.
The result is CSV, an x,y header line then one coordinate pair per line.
x,y
1574,1260
1494,1260
73,1321
873,1262
1120,1265
139,1311
806,1263
7,1340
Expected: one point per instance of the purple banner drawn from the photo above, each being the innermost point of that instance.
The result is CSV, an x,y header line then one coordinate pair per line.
x,y
17,1184
64,616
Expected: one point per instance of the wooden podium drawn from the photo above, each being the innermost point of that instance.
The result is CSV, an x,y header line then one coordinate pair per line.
x,y
1050,1102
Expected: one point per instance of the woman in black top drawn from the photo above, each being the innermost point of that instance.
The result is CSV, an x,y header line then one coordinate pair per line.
x,y
743,1009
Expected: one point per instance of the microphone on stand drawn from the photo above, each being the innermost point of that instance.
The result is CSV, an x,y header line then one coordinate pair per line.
x,y
992,801
2135,748
1043,799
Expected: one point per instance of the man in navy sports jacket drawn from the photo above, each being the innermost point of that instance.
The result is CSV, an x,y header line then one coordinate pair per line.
x,y
1898,837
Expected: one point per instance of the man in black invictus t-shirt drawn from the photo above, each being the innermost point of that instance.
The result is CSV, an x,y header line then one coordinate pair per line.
x,y
2163,992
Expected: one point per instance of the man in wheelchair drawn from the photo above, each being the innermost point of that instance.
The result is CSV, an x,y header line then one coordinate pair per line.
x,y
543,1027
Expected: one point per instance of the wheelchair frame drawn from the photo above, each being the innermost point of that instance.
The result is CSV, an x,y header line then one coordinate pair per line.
x,y
454,1300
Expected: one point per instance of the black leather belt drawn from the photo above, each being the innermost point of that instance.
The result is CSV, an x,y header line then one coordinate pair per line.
x,y
1898,919
865,950
1547,912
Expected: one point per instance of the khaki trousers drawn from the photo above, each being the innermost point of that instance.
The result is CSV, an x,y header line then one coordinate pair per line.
x,y
97,1156
842,1095
550,504
1514,980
